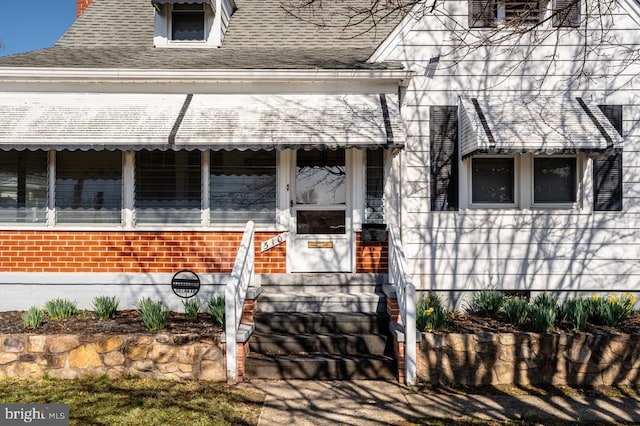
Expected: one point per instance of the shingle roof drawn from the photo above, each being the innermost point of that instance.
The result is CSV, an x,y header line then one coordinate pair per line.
x,y
261,35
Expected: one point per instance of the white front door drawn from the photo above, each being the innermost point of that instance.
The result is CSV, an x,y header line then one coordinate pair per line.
x,y
320,238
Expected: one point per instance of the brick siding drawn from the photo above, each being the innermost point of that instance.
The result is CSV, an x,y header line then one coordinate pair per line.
x,y
371,257
151,252
131,252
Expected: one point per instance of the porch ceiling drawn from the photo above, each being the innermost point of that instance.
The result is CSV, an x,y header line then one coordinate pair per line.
x,y
155,121
540,125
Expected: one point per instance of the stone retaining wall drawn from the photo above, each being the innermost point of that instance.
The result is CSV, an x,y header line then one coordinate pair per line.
x,y
579,359
162,356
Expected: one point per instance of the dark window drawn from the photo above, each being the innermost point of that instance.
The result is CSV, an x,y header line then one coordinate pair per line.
x,y
88,187
187,22
243,186
320,222
23,186
492,180
374,208
554,180
443,135
168,187
566,13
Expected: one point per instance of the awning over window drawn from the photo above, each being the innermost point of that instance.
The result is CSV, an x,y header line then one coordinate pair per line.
x,y
153,121
292,121
540,125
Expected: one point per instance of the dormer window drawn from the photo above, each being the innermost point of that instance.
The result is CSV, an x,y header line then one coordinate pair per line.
x,y
187,22
191,23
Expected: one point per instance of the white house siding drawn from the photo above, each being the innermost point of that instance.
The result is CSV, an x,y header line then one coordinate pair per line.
x,y
565,250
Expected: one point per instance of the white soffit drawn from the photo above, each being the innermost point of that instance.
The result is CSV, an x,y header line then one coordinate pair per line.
x,y
86,121
294,121
540,125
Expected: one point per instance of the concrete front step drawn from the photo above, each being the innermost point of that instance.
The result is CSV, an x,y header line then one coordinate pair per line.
x,y
322,282
319,367
321,323
332,344
301,301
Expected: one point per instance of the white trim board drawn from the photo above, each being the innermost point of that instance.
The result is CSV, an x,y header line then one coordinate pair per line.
x,y
24,290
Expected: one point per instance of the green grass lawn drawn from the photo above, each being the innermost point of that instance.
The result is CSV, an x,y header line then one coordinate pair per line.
x,y
135,401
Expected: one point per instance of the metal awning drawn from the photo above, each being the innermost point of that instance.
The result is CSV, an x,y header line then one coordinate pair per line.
x,y
154,121
158,2
292,121
540,125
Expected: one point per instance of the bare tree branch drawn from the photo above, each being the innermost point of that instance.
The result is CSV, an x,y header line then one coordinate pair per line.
x,y
522,28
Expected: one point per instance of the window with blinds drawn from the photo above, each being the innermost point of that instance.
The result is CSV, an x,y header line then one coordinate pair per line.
x,y
23,186
168,187
374,204
243,187
490,13
88,187
522,12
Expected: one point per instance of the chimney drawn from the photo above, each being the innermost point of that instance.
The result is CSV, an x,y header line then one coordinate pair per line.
x,y
81,6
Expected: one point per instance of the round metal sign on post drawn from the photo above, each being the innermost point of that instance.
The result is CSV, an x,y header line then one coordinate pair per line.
x,y
185,284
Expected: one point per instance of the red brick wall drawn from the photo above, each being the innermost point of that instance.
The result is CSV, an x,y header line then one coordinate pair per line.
x,y
131,252
81,5
371,257
151,252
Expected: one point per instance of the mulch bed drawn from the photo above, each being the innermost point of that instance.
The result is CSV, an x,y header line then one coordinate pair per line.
x,y
128,322
474,324
125,322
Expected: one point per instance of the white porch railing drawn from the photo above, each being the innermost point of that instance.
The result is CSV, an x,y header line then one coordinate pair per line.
x,y
406,294
235,293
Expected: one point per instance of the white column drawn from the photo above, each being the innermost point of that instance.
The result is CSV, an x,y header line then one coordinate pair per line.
x,y
205,197
51,182
128,188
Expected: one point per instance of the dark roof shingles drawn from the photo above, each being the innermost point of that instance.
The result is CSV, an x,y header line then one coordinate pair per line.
x,y
261,35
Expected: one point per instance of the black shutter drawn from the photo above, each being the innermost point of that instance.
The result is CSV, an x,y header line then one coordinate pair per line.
x,y
607,169
443,135
482,13
566,13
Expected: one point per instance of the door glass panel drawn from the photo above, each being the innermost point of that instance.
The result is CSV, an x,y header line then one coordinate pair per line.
x,y
321,222
320,177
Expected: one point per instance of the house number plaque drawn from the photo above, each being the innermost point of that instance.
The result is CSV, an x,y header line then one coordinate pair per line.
x,y
272,242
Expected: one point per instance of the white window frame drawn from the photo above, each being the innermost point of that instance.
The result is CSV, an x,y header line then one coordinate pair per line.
x,y
559,205
500,18
524,181
163,30
128,210
516,184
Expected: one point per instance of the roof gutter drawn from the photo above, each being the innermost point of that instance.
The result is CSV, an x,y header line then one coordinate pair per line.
x,y
108,75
